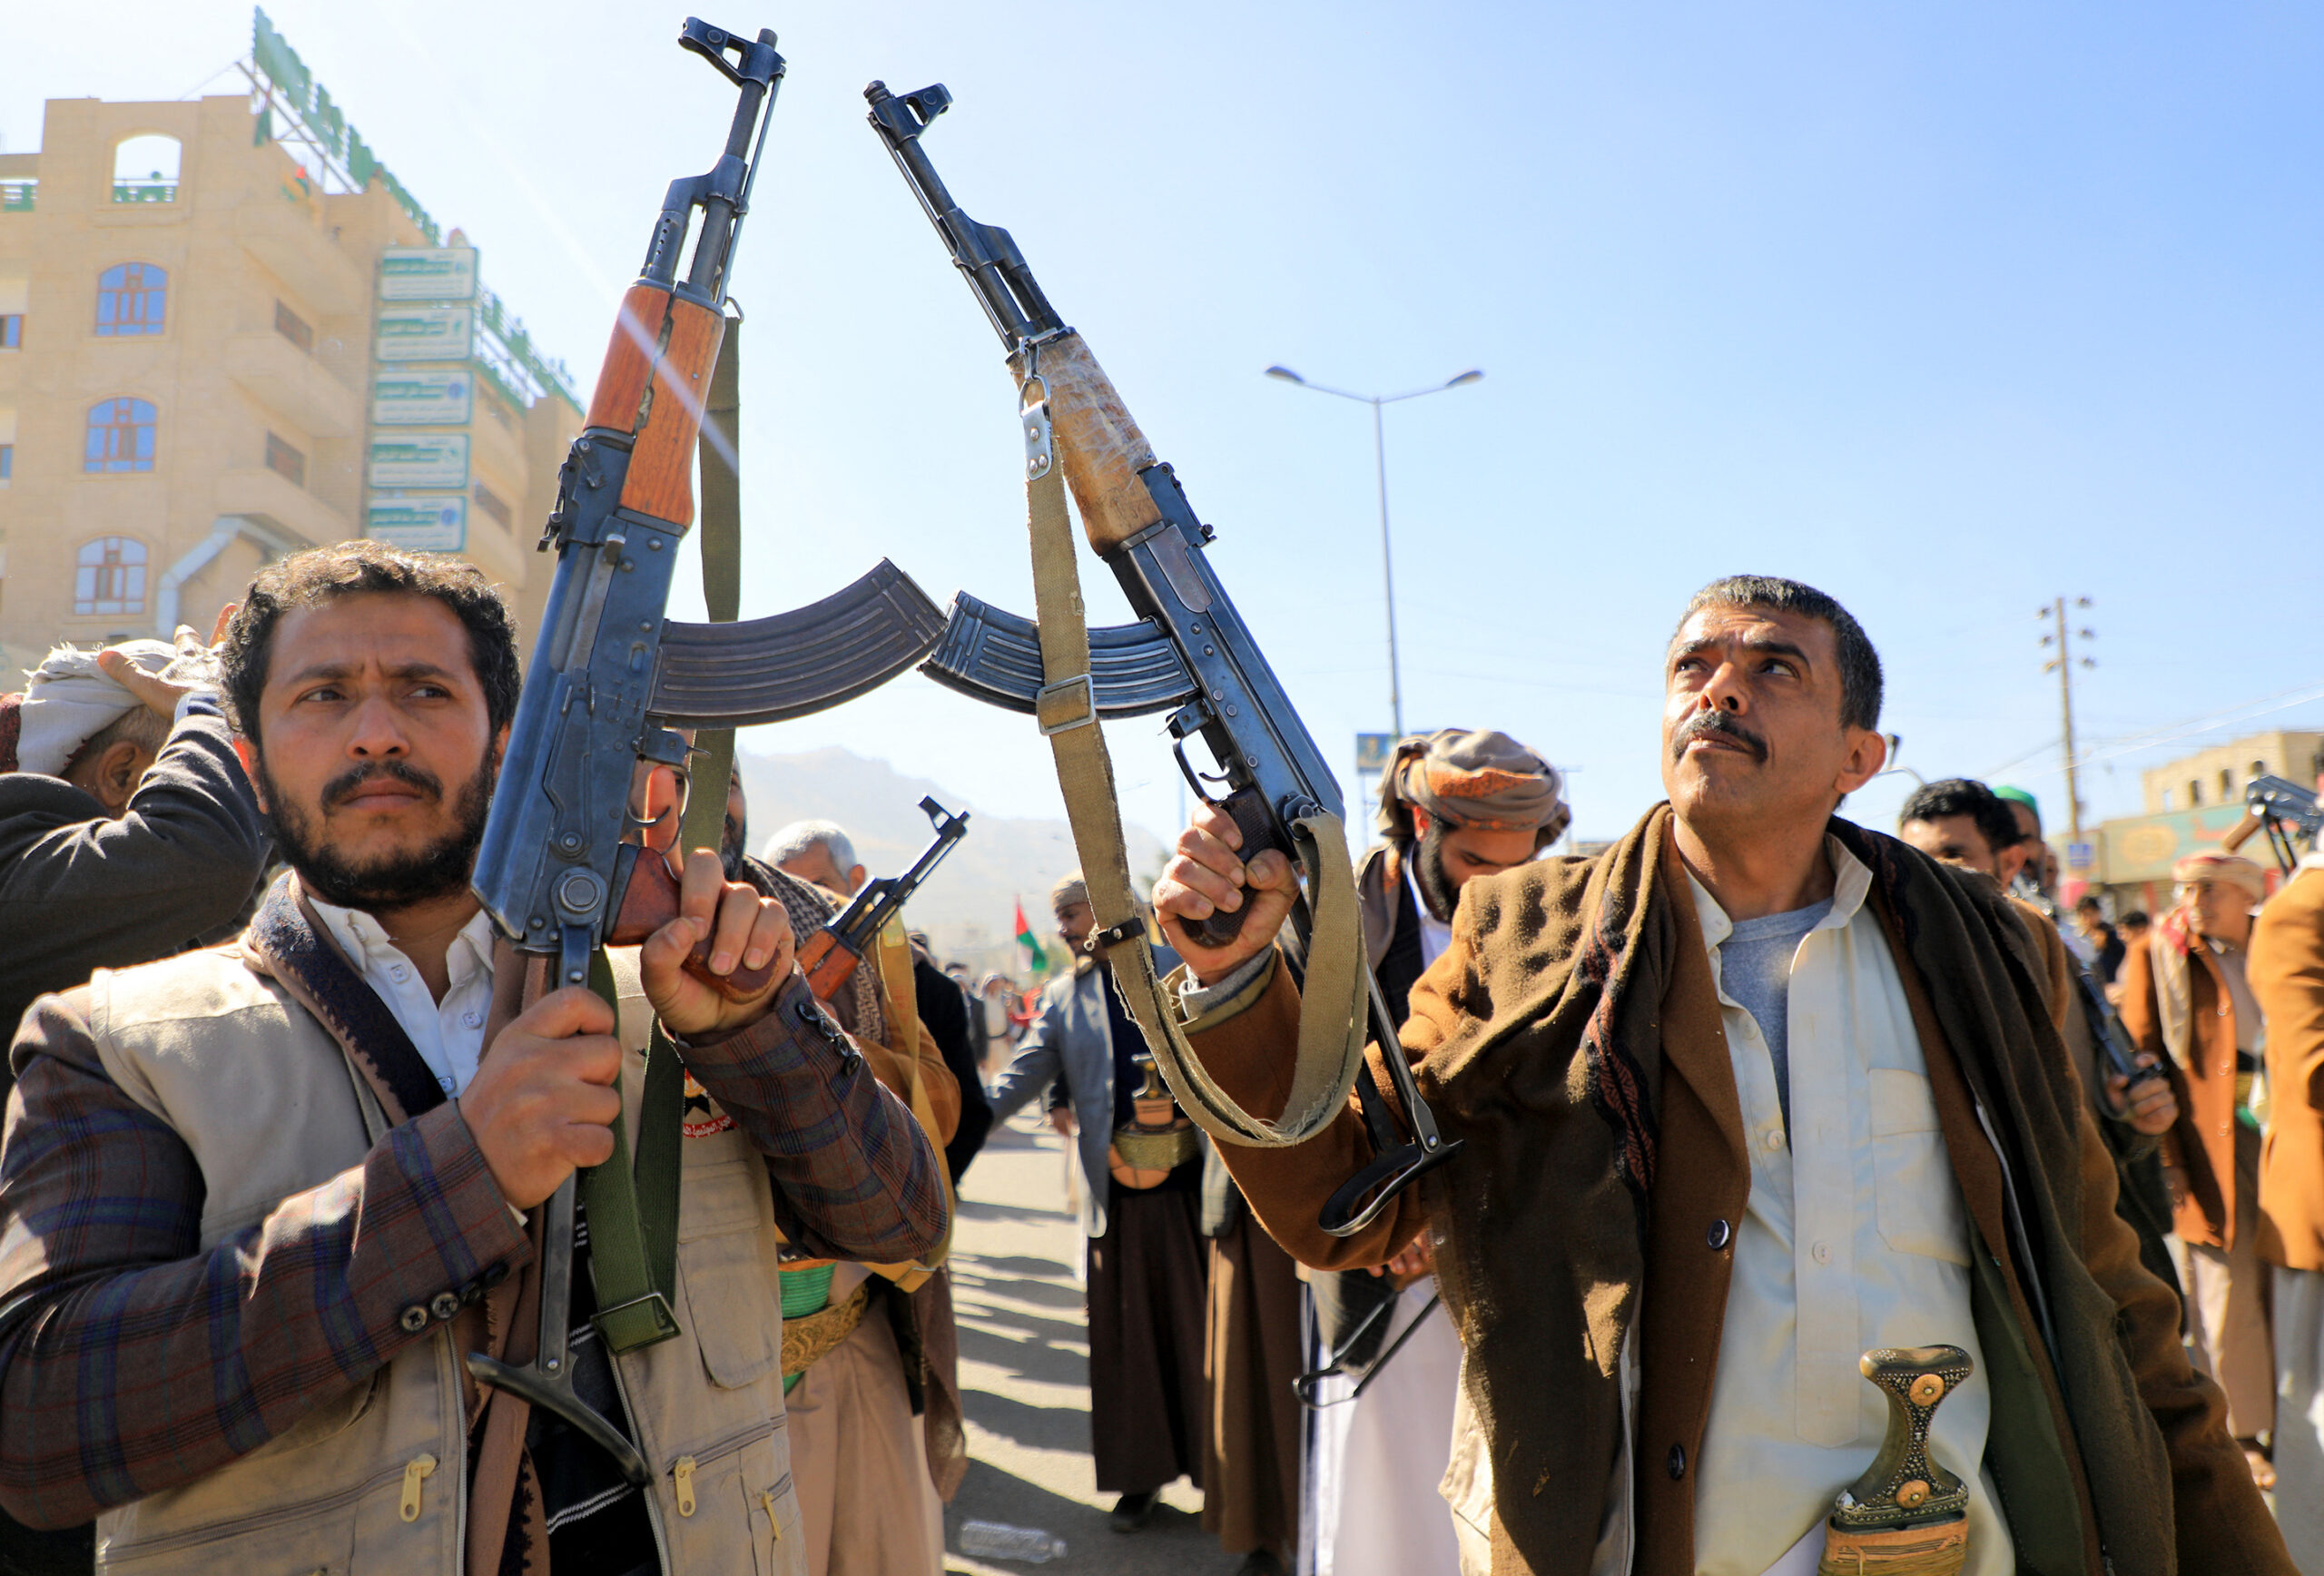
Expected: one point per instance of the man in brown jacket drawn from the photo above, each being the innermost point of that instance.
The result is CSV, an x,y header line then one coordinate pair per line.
x,y
2288,979
2185,999
1749,1093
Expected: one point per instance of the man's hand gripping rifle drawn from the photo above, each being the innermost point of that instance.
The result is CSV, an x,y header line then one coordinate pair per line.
x,y
832,954
611,680
1190,653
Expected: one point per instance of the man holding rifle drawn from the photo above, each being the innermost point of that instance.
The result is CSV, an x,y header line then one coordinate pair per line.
x,y
1866,1135
257,1202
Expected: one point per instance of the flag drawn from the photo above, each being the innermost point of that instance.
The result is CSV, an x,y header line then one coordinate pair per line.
x,y
1025,938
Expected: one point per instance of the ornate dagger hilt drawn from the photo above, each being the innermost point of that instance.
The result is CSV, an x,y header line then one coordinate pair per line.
x,y
1906,1515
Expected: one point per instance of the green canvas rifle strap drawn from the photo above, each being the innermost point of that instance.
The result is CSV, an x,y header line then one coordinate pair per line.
x,y
1333,1021
634,1209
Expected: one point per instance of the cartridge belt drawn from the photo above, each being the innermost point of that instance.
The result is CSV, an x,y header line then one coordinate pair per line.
x,y
807,1340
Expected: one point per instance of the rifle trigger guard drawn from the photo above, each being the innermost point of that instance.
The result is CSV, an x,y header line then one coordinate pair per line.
x,y
1194,780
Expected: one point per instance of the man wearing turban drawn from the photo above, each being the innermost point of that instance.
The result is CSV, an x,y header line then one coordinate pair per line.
x,y
1455,805
2185,999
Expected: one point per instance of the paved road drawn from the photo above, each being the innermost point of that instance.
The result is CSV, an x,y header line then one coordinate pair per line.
x,y
1025,1378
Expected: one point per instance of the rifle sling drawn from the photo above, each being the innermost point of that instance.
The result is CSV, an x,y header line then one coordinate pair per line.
x,y
1332,1021
633,1210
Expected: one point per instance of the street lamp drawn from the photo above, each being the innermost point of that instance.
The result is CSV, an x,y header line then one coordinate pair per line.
x,y
1380,458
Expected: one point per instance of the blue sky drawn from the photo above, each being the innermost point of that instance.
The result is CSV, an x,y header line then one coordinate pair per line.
x,y
1947,310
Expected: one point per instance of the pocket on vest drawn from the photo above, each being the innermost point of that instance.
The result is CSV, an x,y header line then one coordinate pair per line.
x,y
1917,1200
729,1286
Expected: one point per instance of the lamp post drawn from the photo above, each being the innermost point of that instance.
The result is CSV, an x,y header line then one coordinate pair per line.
x,y
1380,460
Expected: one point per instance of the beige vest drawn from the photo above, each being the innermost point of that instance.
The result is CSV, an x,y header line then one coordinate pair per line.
x,y
370,1481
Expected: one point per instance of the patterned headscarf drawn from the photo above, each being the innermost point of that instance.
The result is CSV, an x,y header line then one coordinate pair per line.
x,y
2232,868
1472,778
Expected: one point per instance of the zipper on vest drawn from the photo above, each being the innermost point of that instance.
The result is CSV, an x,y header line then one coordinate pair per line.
x,y
415,1472
684,1475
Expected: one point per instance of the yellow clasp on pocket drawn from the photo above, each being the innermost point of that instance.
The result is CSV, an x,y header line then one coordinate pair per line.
x,y
684,1475
415,1471
766,1498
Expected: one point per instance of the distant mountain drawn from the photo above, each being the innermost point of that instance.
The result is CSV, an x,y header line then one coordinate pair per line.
x,y
966,907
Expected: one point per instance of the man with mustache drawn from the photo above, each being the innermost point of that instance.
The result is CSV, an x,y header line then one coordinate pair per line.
x,y
1455,806
256,1202
1748,1094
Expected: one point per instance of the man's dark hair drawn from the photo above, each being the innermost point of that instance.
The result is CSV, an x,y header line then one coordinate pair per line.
x,y
1963,796
1859,663
2092,903
321,575
2135,919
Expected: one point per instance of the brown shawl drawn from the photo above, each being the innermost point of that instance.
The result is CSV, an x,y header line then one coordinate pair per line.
x,y
1549,1061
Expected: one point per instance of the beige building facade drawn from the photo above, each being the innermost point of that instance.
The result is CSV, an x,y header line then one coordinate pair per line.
x,y
192,378
2219,774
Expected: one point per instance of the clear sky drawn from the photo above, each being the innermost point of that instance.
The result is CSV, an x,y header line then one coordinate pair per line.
x,y
1947,311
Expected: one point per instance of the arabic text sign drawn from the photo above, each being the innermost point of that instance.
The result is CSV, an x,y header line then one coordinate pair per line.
x,y
422,523
423,397
425,334
419,459
426,273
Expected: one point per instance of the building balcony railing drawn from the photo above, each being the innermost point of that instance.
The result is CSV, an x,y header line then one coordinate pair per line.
x,y
274,499
17,196
293,385
144,190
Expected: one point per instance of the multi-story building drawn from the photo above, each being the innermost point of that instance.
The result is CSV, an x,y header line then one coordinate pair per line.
x,y
2192,803
207,360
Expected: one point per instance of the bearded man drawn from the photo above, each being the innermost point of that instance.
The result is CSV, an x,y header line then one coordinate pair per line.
x,y
1455,806
256,1202
1748,1094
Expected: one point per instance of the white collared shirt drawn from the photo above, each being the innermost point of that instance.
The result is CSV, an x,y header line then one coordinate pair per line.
x,y
1854,1237
1435,935
448,1034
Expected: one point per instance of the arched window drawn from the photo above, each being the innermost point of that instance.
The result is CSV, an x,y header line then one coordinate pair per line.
x,y
131,298
109,576
121,436
145,170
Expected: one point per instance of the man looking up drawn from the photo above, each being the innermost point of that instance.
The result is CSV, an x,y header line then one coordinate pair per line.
x,y
256,1201
1966,824
1858,1128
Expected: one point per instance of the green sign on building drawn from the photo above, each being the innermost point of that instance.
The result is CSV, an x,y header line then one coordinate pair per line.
x,y
419,459
425,334
428,273
423,397
423,523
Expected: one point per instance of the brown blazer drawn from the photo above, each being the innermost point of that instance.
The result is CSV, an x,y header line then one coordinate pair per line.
x,y
2202,1143
1703,1183
2287,975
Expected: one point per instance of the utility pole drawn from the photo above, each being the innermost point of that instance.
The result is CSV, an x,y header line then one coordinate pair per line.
x,y
2062,663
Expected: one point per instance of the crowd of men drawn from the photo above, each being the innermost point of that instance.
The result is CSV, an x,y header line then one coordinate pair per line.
x,y
1749,1094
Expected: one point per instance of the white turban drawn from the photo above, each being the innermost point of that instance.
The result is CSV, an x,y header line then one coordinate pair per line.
x,y
68,699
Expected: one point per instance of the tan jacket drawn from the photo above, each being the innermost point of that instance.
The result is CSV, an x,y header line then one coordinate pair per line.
x,y
2287,973
2202,1075
373,1479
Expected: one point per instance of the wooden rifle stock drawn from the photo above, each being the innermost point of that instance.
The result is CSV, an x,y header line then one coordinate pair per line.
x,y
653,386
1097,438
826,964
2243,830
651,902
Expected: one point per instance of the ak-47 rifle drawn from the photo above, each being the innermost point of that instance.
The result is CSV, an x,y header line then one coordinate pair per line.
x,y
2286,810
611,680
1190,653
832,954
